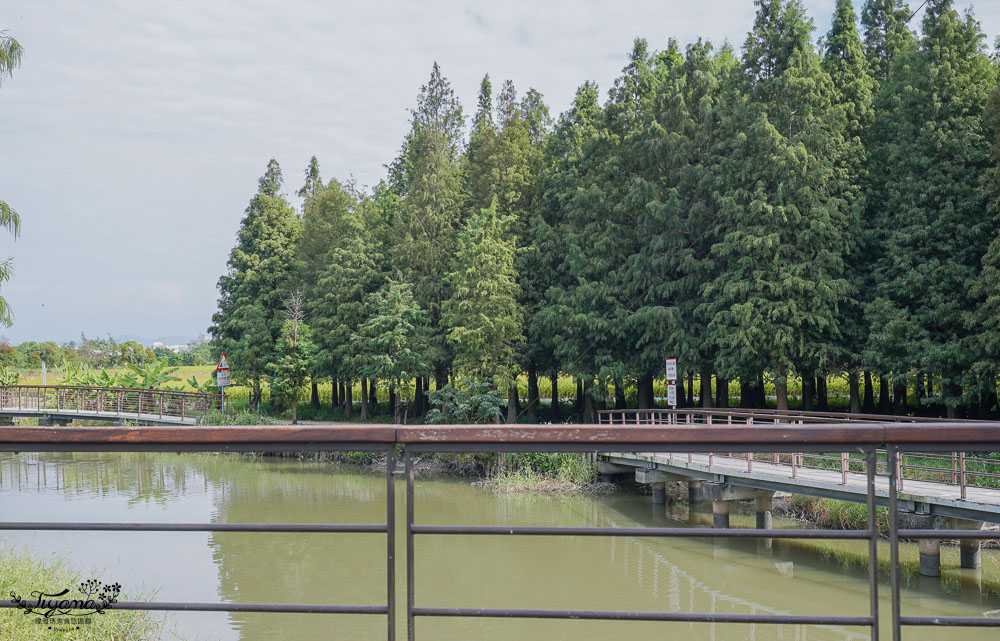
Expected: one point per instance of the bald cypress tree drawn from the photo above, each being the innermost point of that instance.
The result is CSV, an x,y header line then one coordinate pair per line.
x,y
938,154
676,227
844,60
774,305
259,276
427,175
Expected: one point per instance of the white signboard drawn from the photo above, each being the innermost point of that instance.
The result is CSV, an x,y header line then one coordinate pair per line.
x,y
221,377
672,395
671,369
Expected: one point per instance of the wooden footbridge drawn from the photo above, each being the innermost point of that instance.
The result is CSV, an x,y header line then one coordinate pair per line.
x,y
61,404
954,484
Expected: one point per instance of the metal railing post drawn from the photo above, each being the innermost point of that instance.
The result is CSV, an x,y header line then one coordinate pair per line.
x,y
390,539
871,467
892,465
410,576
962,485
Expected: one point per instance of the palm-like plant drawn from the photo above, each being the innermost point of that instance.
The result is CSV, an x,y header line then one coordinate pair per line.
x,y
11,54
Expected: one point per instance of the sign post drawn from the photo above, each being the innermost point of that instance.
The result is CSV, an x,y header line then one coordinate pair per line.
x,y
672,383
222,378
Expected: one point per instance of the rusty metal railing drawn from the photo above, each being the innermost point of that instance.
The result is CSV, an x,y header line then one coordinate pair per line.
x,y
108,402
866,439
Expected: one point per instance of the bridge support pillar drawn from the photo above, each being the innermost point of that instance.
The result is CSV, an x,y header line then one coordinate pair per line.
x,y
696,492
971,553
764,504
659,493
930,557
720,514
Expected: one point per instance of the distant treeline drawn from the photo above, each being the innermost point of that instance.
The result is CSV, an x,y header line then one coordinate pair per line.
x,y
797,208
104,353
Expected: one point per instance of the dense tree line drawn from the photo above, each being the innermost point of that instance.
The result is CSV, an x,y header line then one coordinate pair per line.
x,y
794,209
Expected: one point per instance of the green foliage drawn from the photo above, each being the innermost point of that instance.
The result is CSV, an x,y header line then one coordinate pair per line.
x,y
296,352
149,376
11,54
249,320
393,341
940,228
482,316
477,402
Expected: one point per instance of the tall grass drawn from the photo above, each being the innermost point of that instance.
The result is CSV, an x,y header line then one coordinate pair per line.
x,y
23,574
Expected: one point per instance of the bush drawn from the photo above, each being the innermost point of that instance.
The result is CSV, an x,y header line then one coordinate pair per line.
x,y
479,403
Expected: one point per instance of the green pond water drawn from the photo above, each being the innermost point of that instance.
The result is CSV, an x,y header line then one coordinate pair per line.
x,y
606,573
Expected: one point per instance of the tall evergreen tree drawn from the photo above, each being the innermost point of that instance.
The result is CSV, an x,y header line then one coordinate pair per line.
x,y
428,177
259,275
782,216
844,60
938,154
313,183
482,316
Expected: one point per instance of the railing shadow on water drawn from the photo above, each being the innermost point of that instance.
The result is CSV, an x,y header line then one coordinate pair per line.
x,y
866,439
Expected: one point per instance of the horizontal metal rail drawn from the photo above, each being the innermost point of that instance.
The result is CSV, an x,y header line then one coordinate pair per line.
x,y
746,434
196,527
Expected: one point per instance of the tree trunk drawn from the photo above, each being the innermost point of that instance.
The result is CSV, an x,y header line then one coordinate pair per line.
x,y
745,401
532,393
588,403
988,398
722,392
335,393
392,399
852,384
372,397
364,399
418,397
255,401
644,395
579,399
440,378
690,389
295,412
343,394
512,404
899,398
761,392
348,399
808,385
705,393
314,396
781,391
883,395
823,402
681,396
620,396
869,403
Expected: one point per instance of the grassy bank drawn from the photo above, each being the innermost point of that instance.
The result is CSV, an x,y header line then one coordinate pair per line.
x,y
23,574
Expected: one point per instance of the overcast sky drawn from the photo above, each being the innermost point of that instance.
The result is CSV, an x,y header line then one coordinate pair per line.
x,y
132,136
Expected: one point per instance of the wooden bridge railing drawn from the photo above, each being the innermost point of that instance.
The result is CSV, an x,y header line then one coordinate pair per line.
x,y
108,401
958,468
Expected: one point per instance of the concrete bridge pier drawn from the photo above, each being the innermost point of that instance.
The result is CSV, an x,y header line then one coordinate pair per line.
x,y
657,481
930,549
696,492
722,493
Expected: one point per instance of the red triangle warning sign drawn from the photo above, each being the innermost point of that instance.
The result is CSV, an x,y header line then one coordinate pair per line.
x,y
223,363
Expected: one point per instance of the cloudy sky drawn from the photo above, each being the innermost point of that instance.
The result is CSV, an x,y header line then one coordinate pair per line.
x,y
132,136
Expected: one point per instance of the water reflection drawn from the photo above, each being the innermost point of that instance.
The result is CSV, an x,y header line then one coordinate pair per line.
x,y
609,573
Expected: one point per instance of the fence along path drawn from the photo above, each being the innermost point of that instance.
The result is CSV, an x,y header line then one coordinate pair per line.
x,y
65,402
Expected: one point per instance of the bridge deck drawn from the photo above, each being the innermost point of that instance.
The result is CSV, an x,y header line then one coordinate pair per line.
x,y
87,415
939,498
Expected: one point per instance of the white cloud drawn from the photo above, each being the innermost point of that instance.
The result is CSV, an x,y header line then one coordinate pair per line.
x,y
133,135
